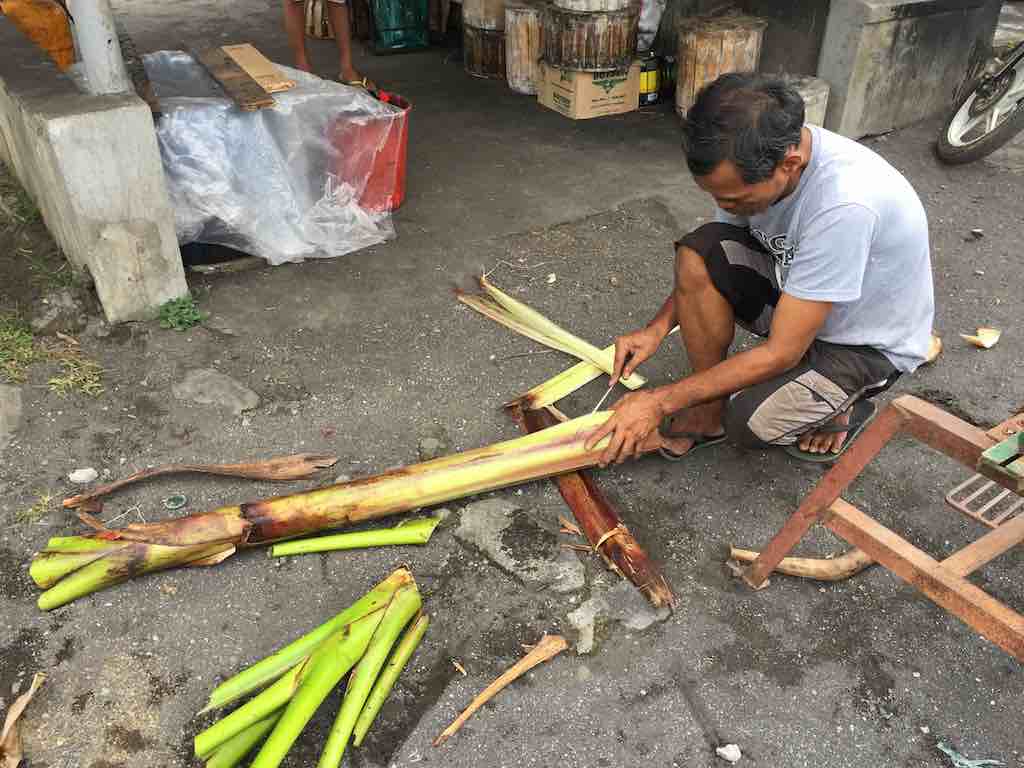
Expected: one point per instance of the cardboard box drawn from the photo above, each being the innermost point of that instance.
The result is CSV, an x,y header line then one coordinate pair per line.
x,y
582,95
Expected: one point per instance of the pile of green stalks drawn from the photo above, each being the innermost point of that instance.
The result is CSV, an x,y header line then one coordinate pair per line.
x,y
371,642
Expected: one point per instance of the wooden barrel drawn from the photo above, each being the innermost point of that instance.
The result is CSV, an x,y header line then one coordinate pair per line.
x,y
46,24
317,23
484,14
522,46
712,46
484,52
591,42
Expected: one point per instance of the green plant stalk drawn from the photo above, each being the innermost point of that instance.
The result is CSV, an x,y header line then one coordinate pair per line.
x,y
124,560
250,713
408,532
270,668
406,604
388,676
230,753
65,554
328,664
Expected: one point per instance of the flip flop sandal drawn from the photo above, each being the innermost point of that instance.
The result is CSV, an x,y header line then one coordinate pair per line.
x,y
699,441
863,412
361,83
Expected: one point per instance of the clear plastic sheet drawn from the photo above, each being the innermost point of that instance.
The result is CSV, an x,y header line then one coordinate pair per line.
x,y
270,182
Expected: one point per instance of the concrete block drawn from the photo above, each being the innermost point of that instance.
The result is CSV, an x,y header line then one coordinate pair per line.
x,y
92,165
814,91
891,64
796,29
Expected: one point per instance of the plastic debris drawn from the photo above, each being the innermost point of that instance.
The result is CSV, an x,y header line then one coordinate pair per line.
x,y
729,752
175,501
83,476
959,761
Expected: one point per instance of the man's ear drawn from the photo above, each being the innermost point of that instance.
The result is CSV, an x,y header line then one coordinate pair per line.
x,y
792,161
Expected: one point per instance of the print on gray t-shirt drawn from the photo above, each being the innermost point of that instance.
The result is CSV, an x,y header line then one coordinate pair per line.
x,y
854,233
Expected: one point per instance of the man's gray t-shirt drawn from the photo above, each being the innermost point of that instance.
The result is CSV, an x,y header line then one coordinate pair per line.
x,y
854,233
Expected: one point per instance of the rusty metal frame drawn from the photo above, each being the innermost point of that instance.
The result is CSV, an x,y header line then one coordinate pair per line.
x,y
943,582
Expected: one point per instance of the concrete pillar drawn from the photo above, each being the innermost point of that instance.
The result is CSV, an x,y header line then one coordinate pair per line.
x,y
96,37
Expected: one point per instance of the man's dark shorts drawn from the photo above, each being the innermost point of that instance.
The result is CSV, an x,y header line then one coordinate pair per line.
x,y
826,382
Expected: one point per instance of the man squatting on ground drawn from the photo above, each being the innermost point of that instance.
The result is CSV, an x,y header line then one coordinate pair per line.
x,y
820,247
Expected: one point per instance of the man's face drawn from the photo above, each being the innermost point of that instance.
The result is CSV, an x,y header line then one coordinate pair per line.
x,y
735,196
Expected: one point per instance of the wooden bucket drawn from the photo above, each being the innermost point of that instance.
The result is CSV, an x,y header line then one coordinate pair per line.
x,y
522,46
484,52
484,14
712,46
317,23
45,24
591,42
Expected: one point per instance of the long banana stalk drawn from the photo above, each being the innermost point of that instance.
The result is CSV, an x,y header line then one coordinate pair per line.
x,y
525,320
403,652
328,664
231,752
272,667
416,531
403,607
212,536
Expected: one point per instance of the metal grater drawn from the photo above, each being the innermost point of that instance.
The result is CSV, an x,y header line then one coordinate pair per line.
x,y
985,501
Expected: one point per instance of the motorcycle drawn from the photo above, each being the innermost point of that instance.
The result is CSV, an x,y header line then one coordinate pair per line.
x,y
988,114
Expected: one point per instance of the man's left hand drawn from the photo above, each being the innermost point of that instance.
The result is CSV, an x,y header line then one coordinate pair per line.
x,y
634,418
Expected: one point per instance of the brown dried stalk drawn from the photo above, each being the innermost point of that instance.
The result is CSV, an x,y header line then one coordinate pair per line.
x,y
549,647
602,525
836,569
283,468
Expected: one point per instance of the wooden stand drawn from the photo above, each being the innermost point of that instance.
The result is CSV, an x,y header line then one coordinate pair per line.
x,y
484,52
944,582
709,47
591,42
484,14
522,46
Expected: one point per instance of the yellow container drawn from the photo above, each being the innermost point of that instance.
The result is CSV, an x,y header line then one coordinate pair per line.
x,y
46,24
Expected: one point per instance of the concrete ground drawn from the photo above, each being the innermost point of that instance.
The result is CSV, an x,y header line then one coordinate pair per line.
x,y
369,357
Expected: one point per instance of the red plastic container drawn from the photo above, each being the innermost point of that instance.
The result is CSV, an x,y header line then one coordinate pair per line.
x,y
370,154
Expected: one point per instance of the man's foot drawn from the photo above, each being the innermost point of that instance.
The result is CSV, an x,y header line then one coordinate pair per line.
x,y
680,435
303,64
353,77
826,442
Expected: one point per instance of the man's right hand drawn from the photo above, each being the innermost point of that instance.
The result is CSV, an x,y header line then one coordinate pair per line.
x,y
631,349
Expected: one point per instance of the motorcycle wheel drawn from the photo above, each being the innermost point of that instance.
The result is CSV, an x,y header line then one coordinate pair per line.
x,y
978,126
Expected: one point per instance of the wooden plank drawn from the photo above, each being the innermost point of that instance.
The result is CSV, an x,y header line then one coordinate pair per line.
x,y
236,82
1000,624
987,548
943,431
260,68
1009,427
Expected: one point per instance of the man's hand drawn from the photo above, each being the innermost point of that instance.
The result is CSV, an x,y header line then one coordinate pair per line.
x,y
633,420
631,349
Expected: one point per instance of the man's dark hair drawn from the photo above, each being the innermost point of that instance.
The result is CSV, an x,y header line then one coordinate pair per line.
x,y
748,118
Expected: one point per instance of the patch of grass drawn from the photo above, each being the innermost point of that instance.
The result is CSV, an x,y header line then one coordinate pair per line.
x,y
17,350
79,374
49,270
37,511
17,206
181,314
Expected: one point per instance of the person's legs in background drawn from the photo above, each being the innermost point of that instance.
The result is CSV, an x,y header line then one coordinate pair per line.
x,y
294,26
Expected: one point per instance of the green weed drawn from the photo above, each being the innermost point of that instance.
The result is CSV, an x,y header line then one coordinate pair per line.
x,y
181,314
17,350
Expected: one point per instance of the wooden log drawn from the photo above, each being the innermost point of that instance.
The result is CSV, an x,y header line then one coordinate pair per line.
x,y
592,6
484,52
709,47
591,42
602,525
523,32
484,14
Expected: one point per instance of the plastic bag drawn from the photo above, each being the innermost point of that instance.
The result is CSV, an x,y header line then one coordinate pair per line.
x,y
266,182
